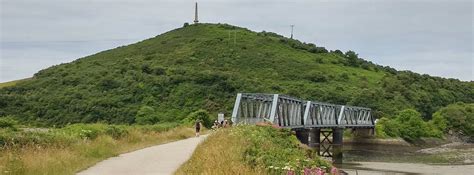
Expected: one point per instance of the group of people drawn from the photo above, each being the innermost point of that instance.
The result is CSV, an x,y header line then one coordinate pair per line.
x,y
216,125
222,124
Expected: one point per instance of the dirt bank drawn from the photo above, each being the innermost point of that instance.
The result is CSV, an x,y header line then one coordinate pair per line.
x,y
374,168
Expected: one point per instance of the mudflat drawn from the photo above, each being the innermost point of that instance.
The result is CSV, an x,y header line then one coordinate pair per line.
x,y
374,168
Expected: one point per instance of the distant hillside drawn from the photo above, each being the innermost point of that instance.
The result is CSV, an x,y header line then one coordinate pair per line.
x,y
203,67
11,83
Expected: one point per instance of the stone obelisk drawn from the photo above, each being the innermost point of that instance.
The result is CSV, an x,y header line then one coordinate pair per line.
x,y
196,14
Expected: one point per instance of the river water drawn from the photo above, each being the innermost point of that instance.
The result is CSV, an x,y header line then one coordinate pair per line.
x,y
371,159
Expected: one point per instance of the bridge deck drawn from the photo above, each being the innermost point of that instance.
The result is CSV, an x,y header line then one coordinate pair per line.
x,y
290,112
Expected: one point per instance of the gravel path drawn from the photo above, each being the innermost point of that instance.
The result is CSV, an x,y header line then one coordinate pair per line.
x,y
160,159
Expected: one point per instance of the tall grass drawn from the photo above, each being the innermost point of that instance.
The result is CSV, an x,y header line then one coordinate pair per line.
x,y
76,147
220,153
252,150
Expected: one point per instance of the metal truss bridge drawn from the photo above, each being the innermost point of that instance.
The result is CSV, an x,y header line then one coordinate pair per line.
x,y
290,112
319,125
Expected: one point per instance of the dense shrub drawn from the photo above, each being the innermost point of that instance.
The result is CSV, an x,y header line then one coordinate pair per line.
x,y
316,76
158,127
409,125
146,116
201,115
116,131
458,118
8,122
277,149
86,131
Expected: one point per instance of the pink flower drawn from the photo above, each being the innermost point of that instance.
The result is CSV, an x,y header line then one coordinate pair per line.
x,y
290,172
307,171
334,170
319,171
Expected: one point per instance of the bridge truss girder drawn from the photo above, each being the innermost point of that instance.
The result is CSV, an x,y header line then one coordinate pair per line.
x,y
290,112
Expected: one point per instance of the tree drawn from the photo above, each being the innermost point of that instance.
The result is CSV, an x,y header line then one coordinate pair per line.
x,y
459,118
201,115
352,58
146,116
409,125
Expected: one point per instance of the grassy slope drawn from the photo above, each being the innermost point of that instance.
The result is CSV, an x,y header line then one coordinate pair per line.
x,y
11,83
67,151
199,66
251,150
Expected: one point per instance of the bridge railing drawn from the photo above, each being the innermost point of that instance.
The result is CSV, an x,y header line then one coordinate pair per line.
x,y
291,112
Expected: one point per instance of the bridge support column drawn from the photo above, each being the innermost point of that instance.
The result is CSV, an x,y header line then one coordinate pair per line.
x,y
315,139
303,136
363,132
337,145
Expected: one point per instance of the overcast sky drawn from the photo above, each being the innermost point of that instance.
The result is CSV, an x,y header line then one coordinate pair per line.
x,y
425,36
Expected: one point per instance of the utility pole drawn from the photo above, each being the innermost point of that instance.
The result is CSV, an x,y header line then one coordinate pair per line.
x,y
196,14
292,31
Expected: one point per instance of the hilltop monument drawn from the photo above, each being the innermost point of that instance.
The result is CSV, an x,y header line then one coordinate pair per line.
x,y
196,14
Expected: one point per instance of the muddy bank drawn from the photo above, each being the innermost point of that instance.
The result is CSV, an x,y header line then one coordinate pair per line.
x,y
398,150
374,168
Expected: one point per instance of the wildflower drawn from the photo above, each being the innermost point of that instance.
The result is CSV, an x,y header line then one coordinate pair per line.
x,y
307,171
290,172
318,171
334,170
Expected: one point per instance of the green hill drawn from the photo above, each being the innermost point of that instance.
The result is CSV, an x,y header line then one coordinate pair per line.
x,y
11,83
203,67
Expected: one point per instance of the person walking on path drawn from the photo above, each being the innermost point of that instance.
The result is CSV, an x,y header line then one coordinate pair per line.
x,y
198,127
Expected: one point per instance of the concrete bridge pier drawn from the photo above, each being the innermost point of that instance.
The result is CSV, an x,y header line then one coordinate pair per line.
x,y
337,135
331,144
315,139
303,136
363,132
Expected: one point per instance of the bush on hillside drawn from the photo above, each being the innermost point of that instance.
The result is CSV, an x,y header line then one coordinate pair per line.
x,y
409,125
458,117
352,58
277,150
316,76
146,116
8,122
201,115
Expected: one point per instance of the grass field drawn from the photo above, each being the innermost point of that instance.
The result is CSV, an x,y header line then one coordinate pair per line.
x,y
11,83
74,148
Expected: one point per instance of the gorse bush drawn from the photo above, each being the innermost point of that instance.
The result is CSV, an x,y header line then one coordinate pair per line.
x,y
458,117
201,115
8,122
409,125
146,116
